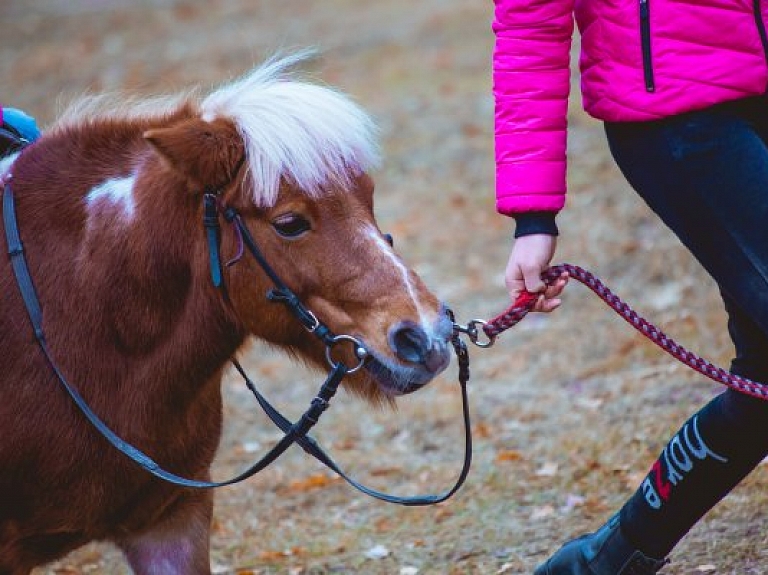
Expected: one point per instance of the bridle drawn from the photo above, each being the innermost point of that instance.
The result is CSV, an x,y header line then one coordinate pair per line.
x,y
293,432
280,293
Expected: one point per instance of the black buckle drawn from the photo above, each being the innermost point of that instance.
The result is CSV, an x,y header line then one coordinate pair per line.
x,y
10,141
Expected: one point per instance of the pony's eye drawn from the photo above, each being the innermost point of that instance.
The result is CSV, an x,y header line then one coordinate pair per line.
x,y
389,239
290,225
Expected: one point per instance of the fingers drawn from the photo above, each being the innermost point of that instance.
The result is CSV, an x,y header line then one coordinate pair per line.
x,y
545,305
532,279
549,301
529,258
556,287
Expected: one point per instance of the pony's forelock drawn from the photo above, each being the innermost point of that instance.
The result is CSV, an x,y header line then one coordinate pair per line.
x,y
306,133
294,130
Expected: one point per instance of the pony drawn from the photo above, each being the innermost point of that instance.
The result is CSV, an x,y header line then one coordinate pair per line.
x,y
109,205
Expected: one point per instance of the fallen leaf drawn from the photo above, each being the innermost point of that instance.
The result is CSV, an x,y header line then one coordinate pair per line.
x,y
443,513
549,469
384,471
508,455
377,552
482,430
316,481
272,555
383,525
281,555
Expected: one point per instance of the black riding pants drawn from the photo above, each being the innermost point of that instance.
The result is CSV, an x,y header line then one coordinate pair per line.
x,y
705,174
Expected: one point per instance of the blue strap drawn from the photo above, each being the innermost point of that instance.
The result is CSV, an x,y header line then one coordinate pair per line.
x,y
24,124
211,224
18,261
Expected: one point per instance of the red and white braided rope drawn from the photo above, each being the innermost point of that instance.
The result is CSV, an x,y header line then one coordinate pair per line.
x,y
525,302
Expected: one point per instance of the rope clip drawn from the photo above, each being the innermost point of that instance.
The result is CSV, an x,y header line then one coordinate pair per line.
x,y
473,333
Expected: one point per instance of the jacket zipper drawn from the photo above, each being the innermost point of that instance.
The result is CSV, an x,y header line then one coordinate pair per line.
x,y
645,41
761,27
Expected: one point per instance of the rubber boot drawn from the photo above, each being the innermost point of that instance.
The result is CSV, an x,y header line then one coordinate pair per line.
x,y
604,552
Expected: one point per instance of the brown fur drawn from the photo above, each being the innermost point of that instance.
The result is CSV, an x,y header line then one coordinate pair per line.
x,y
134,322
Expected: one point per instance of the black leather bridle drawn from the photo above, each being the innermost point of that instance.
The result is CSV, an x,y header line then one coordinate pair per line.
x,y
294,432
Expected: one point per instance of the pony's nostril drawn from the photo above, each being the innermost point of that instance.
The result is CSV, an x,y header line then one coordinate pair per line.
x,y
437,359
409,342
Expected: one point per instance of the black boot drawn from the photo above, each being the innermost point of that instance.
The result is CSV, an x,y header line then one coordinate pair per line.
x,y
604,552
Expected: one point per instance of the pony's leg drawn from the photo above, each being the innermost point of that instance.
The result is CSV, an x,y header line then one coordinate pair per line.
x,y
178,544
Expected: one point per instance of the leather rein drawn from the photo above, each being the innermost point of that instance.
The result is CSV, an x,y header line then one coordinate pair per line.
x,y
294,432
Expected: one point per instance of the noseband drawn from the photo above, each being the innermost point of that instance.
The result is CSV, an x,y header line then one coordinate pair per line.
x,y
294,432
281,293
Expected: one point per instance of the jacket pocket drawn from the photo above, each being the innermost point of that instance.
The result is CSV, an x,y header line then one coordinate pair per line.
x,y
645,43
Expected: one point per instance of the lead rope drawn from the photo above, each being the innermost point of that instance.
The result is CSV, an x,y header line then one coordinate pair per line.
x,y
520,308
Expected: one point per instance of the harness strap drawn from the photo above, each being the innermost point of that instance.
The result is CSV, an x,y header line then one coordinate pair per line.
x,y
211,224
311,447
19,264
282,294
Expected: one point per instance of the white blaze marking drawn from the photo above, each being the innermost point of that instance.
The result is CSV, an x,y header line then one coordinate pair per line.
x,y
387,250
118,192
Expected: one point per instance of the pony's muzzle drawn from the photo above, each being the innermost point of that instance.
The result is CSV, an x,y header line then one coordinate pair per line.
x,y
412,344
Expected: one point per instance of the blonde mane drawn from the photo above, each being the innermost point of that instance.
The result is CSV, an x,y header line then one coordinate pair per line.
x,y
309,134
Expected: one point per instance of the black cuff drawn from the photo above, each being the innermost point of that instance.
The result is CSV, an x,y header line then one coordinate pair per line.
x,y
529,223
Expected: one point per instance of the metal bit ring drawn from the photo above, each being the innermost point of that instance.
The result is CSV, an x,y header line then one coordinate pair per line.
x,y
359,350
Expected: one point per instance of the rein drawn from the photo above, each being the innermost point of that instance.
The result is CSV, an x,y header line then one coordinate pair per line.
x,y
294,432
523,304
297,432
282,294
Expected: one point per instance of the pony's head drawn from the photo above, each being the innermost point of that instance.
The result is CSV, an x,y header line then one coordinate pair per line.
x,y
292,158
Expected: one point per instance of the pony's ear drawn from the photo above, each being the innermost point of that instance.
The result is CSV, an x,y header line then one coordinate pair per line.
x,y
207,153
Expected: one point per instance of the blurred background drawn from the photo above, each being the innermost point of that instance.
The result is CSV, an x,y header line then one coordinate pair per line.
x,y
569,409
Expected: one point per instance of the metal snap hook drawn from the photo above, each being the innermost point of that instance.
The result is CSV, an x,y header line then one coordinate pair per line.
x,y
359,350
473,333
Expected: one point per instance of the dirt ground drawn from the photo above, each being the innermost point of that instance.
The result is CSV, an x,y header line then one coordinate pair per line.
x,y
569,410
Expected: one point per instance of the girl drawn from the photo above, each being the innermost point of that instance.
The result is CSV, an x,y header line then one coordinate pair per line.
x,y
686,117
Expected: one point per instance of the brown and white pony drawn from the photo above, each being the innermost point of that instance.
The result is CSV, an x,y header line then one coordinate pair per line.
x,y
109,205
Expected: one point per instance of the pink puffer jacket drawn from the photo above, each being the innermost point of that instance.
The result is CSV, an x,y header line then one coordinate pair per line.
x,y
640,60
